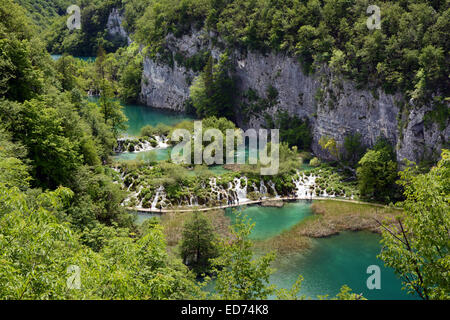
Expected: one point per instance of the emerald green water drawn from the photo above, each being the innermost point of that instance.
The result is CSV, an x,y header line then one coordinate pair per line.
x,y
338,260
330,263
140,116
161,155
141,217
218,170
270,221
57,56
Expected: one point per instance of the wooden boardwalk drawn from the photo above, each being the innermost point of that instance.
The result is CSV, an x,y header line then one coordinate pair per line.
x,y
191,209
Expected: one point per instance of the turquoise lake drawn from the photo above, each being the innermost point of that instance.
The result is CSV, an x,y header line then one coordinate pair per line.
x,y
57,56
140,116
271,221
330,263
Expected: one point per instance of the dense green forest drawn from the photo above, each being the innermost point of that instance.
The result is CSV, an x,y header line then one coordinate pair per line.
x,y
413,39
61,205
317,32
407,55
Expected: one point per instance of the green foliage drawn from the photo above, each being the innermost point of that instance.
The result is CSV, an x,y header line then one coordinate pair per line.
x,y
198,243
377,173
22,60
13,169
111,109
293,130
239,275
440,113
43,12
314,162
330,145
213,92
92,35
42,130
354,148
418,247
37,250
165,16
161,129
96,198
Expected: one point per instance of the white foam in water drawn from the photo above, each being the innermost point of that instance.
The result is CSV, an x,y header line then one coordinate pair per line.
x,y
158,193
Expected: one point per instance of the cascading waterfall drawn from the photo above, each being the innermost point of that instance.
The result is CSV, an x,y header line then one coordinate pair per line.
x,y
137,194
272,186
130,186
241,192
219,191
134,195
263,189
162,142
193,201
303,185
155,200
141,145
234,194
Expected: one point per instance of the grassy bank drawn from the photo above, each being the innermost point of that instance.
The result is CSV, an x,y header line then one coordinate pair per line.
x,y
330,217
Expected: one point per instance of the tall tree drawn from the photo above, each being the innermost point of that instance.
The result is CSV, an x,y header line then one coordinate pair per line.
x,y
239,275
197,245
418,247
376,176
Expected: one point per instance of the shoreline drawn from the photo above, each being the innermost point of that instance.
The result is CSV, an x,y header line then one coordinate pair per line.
x,y
251,202
329,218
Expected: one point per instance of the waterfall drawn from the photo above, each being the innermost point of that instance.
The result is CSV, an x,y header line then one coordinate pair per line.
x,y
272,186
303,185
155,201
135,195
193,201
214,188
241,192
129,187
263,189
162,142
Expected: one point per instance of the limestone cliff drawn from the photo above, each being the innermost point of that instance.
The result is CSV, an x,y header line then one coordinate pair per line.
x,y
114,25
335,107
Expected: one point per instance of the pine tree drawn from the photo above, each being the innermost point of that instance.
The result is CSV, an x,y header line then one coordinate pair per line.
x,y
197,246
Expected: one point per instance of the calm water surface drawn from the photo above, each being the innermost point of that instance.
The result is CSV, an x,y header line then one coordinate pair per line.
x,y
330,263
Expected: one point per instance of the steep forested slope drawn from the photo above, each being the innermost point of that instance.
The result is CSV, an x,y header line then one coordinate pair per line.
x,y
43,12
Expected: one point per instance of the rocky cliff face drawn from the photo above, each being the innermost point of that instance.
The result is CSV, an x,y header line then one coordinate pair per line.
x,y
114,25
335,107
